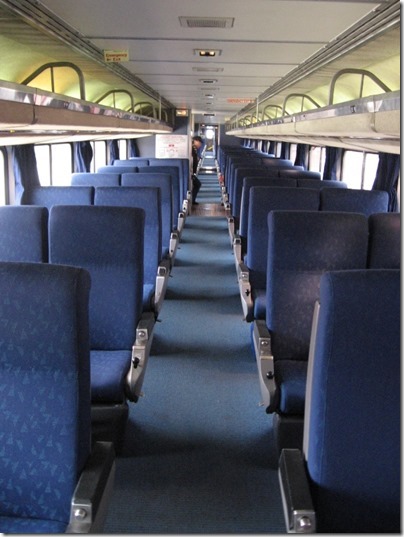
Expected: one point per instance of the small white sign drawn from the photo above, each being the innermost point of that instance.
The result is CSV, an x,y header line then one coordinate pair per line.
x,y
172,146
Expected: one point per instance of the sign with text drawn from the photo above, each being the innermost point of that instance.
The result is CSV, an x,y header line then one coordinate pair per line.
x,y
116,56
172,146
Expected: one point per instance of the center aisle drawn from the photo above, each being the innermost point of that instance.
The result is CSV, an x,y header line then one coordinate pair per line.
x,y
197,455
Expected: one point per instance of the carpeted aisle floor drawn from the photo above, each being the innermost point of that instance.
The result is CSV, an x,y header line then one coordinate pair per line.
x,y
198,454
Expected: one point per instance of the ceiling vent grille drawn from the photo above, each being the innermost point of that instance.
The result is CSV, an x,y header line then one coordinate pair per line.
x,y
207,22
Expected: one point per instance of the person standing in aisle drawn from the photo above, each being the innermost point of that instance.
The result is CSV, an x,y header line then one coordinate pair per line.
x,y
197,144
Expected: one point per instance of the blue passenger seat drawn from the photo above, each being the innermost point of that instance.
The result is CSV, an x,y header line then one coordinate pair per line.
x,y
384,241
353,200
347,480
95,179
163,181
135,161
253,271
108,242
302,245
156,270
49,471
305,182
47,196
111,168
23,233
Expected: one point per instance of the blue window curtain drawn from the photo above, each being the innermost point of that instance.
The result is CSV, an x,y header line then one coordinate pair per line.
x,y
271,148
332,165
302,154
83,155
113,150
387,174
285,150
25,169
133,148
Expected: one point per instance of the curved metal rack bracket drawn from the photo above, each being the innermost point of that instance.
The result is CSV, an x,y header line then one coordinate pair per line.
x,y
113,93
52,66
362,73
303,96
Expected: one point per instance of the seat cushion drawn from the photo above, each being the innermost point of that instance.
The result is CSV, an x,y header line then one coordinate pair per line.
x,y
9,524
108,372
291,378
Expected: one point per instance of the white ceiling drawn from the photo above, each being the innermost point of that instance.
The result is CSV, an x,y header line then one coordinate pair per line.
x,y
269,38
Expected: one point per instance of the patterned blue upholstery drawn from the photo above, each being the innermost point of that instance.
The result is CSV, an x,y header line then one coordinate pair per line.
x,y
45,393
136,161
262,201
299,174
384,241
355,201
148,199
108,242
23,233
95,179
110,168
47,196
305,182
249,182
184,171
174,172
353,421
164,182
302,245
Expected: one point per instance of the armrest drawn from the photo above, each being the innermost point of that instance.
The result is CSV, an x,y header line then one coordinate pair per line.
x,y
93,491
140,356
265,364
163,274
237,251
298,507
244,287
174,241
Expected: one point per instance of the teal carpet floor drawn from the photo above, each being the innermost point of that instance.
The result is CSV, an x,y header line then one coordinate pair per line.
x,y
198,454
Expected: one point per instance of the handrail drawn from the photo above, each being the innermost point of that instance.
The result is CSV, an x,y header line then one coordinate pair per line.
x,y
114,92
303,96
52,66
363,73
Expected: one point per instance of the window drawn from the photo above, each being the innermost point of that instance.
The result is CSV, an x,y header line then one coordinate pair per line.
x,y
292,152
317,159
99,156
359,169
61,164
123,149
54,164
42,155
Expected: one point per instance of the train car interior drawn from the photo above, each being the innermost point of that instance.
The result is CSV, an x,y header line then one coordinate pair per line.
x,y
200,262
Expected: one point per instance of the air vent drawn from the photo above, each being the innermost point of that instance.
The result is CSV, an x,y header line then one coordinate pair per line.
x,y
210,115
209,81
208,69
207,22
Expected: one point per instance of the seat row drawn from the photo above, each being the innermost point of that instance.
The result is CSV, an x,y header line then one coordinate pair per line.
x,y
302,246
250,253
108,242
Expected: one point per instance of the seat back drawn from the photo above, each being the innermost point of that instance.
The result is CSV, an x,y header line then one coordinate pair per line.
x,y
174,172
164,182
23,233
297,173
47,196
111,168
184,171
45,387
352,419
384,241
302,245
263,200
248,182
148,199
95,179
136,161
356,201
306,182
108,242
